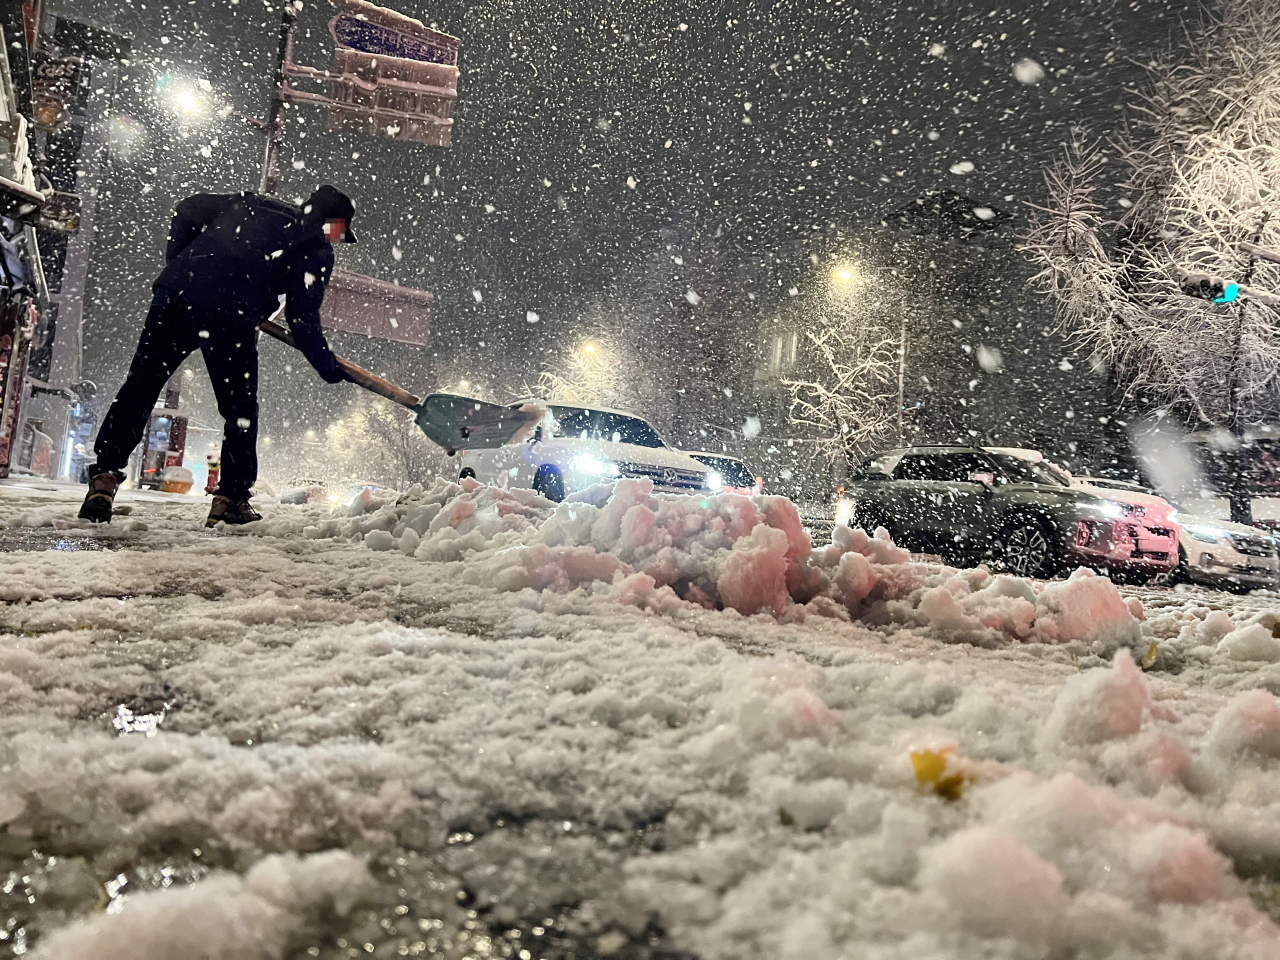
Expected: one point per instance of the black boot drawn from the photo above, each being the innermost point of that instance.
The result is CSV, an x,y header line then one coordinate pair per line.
x,y
226,510
102,494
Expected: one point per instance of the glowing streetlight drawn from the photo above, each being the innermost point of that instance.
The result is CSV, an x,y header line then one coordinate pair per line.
x,y
188,100
845,276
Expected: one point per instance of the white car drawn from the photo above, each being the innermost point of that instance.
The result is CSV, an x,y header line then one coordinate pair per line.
x,y
1225,554
576,447
735,476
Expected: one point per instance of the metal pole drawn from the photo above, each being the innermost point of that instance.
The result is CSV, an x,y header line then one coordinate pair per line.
x,y
37,15
902,373
276,115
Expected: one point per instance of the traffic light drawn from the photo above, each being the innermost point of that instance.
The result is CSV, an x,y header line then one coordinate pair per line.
x,y
1207,287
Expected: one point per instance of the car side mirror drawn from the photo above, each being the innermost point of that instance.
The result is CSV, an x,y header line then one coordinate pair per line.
x,y
986,479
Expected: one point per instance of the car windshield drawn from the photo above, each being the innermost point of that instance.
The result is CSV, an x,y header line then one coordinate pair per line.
x,y
1017,470
733,473
881,466
588,424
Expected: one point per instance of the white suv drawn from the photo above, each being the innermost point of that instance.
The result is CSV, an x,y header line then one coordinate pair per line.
x,y
576,447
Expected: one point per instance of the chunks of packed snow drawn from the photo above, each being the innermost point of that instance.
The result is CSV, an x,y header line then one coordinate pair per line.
x,y
995,886
1252,642
1101,704
1085,607
749,554
1249,723
225,917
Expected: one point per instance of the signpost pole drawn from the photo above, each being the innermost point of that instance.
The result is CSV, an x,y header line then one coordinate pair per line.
x,y
276,114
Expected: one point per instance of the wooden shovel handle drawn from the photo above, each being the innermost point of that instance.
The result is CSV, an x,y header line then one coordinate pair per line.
x,y
356,374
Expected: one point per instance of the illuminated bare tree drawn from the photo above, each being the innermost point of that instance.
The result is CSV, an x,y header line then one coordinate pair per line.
x,y
592,372
849,391
1203,168
379,441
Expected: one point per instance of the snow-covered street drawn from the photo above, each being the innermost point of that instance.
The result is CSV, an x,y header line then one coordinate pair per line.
x,y
472,724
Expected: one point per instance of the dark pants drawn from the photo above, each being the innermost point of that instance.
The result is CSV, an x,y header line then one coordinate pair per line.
x,y
173,330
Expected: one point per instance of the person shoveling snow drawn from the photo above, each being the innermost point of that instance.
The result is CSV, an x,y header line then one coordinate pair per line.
x,y
231,257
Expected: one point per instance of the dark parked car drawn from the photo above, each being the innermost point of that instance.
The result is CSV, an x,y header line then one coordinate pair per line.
x,y
968,505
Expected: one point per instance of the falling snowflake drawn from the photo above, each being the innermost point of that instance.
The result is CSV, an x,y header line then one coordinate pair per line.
x,y
990,360
1028,71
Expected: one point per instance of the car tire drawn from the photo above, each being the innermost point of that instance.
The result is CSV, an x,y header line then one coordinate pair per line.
x,y
1026,547
1182,572
466,472
549,483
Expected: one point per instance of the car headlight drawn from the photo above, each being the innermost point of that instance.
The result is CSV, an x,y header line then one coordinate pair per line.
x,y
844,512
1202,533
596,467
714,480
1113,511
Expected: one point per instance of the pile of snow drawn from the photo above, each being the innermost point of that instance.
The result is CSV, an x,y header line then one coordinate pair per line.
x,y
751,555
297,744
225,917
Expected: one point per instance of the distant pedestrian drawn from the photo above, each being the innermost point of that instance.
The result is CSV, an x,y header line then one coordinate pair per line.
x,y
230,259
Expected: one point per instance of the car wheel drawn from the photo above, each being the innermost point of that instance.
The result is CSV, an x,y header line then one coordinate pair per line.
x,y
1181,573
466,472
548,482
1026,549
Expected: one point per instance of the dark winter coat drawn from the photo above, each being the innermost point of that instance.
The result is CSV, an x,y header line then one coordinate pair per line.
x,y
237,254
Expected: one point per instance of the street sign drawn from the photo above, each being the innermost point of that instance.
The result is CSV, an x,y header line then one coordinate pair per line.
x,y
392,76
380,39
374,308
397,77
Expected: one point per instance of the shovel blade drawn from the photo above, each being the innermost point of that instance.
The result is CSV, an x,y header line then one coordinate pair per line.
x,y
464,423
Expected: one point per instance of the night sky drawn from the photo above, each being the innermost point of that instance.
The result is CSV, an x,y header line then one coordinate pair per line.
x,y
589,135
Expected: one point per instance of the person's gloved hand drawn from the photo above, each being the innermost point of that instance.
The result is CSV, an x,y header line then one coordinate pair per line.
x,y
327,366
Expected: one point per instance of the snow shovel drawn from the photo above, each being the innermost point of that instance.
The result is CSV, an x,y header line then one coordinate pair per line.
x,y
455,423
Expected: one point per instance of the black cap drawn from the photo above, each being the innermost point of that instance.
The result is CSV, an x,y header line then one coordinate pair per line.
x,y
330,203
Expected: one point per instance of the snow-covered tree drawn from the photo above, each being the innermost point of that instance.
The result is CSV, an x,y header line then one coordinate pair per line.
x,y
593,370
847,388
378,441
1202,169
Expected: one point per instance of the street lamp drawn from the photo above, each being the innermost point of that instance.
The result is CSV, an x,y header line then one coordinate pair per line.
x,y
845,276
186,99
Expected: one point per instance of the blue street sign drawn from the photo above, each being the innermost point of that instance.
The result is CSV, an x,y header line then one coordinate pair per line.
x,y
379,40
